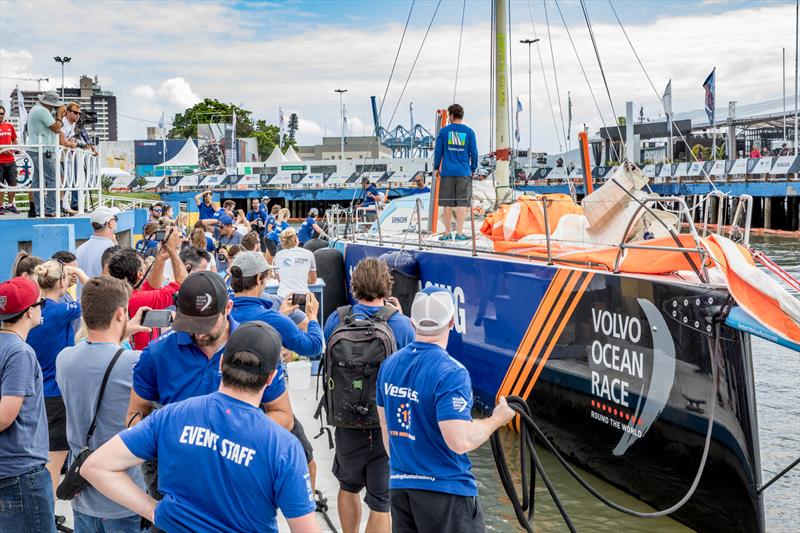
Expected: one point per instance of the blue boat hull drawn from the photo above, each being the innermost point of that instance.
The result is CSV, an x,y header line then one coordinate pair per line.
x,y
617,370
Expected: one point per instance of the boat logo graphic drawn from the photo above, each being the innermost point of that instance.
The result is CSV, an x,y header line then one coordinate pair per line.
x,y
459,403
618,365
457,139
404,416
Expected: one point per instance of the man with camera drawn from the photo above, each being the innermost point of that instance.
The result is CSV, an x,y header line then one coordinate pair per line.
x,y
228,235
80,372
43,130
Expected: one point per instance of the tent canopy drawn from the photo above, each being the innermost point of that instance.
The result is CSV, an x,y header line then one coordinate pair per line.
x,y
291,155
276,156
114,172
187,157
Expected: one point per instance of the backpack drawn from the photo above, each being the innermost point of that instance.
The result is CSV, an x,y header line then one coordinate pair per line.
x,y
353,354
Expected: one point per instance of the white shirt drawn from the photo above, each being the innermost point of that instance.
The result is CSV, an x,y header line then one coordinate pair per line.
x,y
89,255
294,264
67,128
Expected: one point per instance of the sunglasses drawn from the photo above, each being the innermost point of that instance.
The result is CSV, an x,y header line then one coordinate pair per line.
x,y
37,304
73,111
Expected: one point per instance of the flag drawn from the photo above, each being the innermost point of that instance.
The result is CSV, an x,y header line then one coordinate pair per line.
x,y
516,130
280,126
569,115
161,121
710,87
23,117
344,121
667,99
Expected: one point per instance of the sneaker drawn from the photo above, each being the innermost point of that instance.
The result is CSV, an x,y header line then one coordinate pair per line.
x,y
461,237
2,210
446,237
12,209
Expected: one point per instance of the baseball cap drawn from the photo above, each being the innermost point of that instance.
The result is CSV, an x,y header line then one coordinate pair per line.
x,y
102,215
251,263
199,302
432,310
259,339
225,220
16,296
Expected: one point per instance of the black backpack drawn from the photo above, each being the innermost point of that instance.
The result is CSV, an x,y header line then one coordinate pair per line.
x,y
354,353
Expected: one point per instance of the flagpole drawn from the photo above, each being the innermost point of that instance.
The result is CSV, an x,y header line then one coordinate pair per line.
x,y
796,22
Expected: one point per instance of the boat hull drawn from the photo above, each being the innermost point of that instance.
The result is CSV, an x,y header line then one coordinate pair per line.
x,y
618,371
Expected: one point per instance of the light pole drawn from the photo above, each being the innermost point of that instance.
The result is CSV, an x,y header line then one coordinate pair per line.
x,y
529,42
341,110
62,60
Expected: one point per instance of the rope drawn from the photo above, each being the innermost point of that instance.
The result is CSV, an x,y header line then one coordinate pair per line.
x,y
585,77
660,99
414,64
544,77
555,73
397,55
458,57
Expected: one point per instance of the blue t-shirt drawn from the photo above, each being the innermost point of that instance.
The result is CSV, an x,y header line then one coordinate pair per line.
x,y
422,190
368,199
253,216
249,309
456,150
275,234
53,335
418,387
146,246
219,212
206,211
210,245
400,323
24,444
307,231
217,443
172,368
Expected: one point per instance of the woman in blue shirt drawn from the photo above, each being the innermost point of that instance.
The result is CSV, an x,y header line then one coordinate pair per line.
x,y
274,236
53,335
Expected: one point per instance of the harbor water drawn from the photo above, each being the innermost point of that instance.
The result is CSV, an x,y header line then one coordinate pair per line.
x,y
777,373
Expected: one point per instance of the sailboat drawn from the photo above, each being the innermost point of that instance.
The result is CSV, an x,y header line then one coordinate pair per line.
x,y
624,328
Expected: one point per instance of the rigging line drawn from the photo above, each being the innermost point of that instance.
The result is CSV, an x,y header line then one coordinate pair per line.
x,y
658,95
458,57
414,64
555,73
603,73
544,77
396,56
139,119
492,43
585,77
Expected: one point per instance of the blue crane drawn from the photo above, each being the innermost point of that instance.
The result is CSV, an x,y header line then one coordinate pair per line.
x,y
416,142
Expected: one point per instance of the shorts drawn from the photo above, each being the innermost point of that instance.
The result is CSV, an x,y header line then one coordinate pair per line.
x,y
455,191
57,423
435,512
271,246
361,461
8,174
299,432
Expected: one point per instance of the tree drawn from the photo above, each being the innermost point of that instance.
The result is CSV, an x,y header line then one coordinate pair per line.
x,y
210,111
267,136
294,125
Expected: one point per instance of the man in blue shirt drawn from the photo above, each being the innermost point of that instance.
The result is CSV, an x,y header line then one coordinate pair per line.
x,y
205,205
372,196
310,229
424,399
457,153
26,490
361,459
220,442
419,185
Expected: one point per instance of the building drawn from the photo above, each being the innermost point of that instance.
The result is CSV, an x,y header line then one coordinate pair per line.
x,y
354,148
91,97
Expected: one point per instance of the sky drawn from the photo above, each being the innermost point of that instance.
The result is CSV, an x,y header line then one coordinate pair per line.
x,y
165,56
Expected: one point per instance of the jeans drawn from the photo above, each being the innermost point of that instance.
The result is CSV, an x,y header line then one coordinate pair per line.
x,y
26,502
91,524
49,170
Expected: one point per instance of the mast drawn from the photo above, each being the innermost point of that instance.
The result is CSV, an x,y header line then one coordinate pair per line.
x,y
501,131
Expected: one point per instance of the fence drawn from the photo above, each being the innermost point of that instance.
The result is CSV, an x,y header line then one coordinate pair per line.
x,y
76,171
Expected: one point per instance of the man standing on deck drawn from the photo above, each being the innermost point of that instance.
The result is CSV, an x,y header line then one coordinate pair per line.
x,y
43,130
8,163
424,399
457,153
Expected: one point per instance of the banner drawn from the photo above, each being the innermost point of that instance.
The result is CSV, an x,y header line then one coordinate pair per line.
x,y
211,147
23,118
667,99
516,130
709,86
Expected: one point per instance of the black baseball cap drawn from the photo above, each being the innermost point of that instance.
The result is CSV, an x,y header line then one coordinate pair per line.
x,y
259,339
199,302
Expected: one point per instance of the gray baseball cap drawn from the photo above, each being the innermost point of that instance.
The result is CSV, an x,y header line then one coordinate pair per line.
x,y
432,310
251,263
50,98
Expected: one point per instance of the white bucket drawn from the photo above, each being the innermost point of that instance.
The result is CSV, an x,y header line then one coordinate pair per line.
x,y
299,375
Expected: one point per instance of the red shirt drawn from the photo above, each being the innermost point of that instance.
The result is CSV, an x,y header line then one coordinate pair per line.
x,y
147,296
8,135
755,154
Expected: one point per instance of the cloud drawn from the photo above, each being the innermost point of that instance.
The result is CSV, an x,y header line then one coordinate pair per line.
x,y
164,61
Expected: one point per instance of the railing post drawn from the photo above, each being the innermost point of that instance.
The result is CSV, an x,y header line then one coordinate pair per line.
x,y
40,169
58,181
419,222
472,224
81,179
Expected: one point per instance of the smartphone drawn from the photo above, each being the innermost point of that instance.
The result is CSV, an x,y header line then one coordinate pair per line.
x,y
159,235
298,299
157,318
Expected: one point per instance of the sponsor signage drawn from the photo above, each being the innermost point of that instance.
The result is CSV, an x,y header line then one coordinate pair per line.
x,y
739,167
782,164
293,167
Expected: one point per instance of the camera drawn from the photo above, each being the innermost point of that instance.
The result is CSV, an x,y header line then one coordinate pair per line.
x,y
159,235
298,299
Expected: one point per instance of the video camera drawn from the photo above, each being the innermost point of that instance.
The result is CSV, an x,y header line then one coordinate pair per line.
x,y
87,117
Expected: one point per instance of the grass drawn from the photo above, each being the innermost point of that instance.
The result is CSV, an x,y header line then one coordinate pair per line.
x,y
136,195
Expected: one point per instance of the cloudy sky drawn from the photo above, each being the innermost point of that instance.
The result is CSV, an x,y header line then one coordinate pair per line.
x,y
164,56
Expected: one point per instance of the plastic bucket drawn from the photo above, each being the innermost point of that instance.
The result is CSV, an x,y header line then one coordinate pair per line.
x,y
299,375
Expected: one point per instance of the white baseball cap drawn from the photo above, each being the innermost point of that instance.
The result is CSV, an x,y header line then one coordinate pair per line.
x,y
432,310
102,215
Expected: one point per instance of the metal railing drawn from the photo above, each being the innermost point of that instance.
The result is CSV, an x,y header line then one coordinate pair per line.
x,y
74,170
124,202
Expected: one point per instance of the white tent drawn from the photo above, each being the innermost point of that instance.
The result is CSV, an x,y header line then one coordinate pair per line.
x,y
277,156
187,157
291,155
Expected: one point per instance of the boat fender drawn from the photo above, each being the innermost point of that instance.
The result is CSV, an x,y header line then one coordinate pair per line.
x,y
404,269
330,267
315,244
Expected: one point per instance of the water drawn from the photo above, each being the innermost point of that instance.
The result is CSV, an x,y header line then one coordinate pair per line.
x,y
777,372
